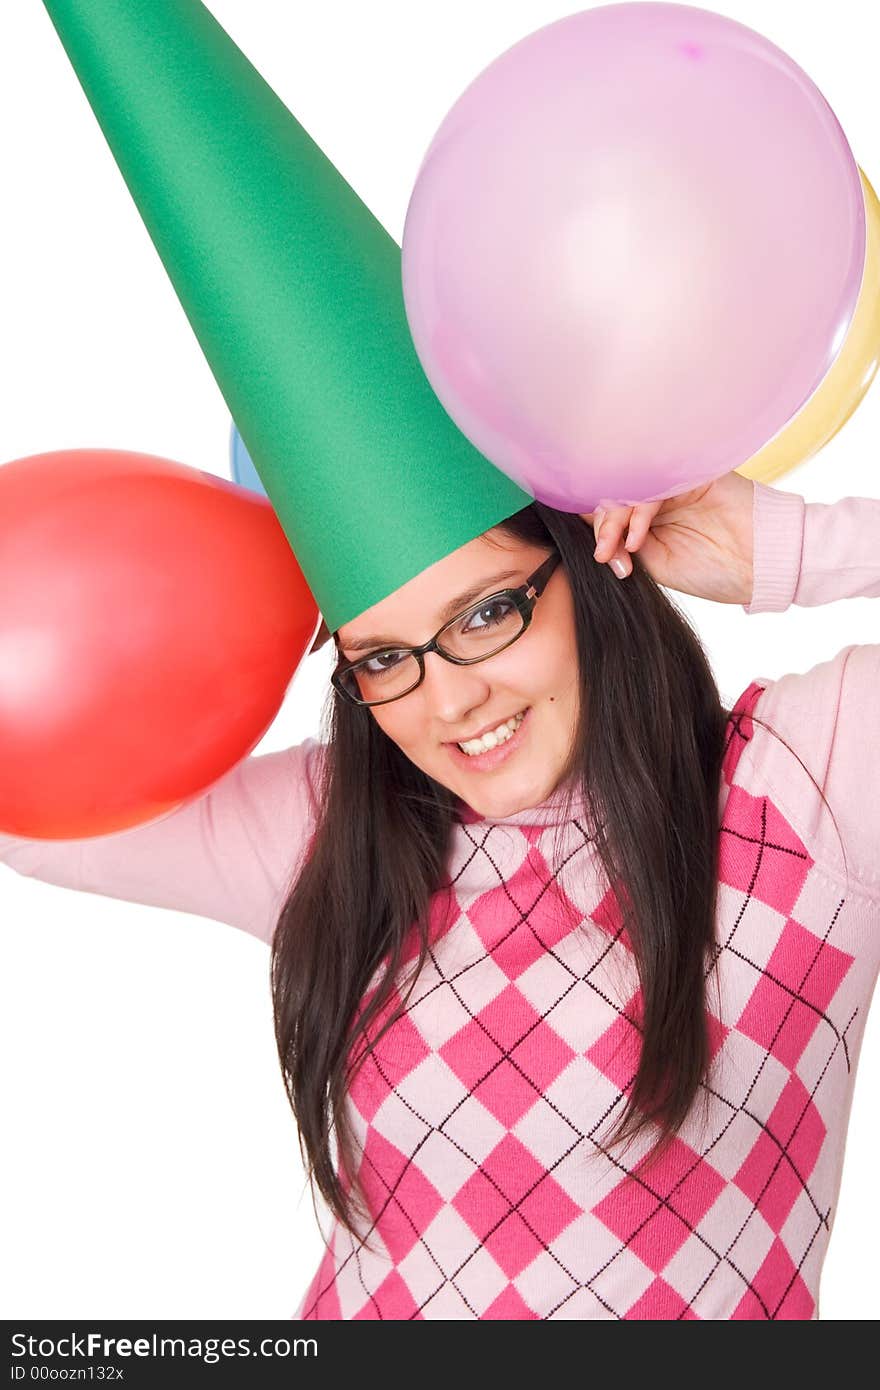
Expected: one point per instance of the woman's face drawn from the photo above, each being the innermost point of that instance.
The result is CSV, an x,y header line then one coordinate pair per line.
x,y
536,675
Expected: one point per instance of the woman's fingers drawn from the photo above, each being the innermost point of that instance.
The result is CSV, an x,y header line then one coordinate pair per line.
x,y
640,524
609,525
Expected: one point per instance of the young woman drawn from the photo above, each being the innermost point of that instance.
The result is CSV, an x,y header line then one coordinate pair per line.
x,y
570,962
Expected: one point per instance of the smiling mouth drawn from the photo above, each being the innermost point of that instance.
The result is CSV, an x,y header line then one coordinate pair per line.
x,y
500,734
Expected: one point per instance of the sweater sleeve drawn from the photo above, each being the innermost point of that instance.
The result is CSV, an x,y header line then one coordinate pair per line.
x,y
230,854
809,553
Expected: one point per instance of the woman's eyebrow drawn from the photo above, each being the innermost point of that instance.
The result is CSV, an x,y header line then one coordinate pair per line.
x,y
455,605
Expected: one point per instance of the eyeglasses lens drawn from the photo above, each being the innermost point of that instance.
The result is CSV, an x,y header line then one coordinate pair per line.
x,y
472,636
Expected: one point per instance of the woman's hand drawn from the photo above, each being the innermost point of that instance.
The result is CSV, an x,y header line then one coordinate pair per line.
x,y
700,542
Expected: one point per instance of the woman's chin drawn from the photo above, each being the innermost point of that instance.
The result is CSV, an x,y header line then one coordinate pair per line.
x,y
499,801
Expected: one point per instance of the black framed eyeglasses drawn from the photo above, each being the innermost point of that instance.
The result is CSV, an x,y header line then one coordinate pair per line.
x,y
481,631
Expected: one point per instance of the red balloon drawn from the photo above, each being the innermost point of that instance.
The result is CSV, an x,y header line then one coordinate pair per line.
x,y
151,619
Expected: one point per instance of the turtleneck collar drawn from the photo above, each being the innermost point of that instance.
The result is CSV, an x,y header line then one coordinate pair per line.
x,y
554,811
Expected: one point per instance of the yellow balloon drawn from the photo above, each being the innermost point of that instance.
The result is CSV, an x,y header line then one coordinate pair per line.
x,y
847,379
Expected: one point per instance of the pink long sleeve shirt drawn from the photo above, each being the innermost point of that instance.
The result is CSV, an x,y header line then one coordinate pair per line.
x,y
480,1118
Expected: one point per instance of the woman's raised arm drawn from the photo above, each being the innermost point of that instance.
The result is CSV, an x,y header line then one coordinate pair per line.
x,y
809,553
230,854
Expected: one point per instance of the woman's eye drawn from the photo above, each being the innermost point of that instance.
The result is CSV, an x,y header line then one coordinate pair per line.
x,y
488,615
383,661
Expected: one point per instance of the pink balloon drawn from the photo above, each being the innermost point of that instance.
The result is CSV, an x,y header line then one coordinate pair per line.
x,y
632,252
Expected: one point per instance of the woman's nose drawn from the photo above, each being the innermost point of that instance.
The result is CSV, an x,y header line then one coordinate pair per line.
x,y
453,690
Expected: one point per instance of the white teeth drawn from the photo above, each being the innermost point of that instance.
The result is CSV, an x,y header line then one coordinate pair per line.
x,y
494,736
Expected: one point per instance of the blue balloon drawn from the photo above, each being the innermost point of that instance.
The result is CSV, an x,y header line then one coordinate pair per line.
x,y
243,471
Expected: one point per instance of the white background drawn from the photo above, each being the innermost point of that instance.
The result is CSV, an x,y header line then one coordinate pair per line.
x,y
151,1167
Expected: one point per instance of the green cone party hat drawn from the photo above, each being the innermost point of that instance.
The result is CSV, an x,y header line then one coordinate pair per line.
x,y
293,289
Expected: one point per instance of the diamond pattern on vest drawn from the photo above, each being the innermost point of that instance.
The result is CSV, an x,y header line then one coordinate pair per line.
x,y
481,1115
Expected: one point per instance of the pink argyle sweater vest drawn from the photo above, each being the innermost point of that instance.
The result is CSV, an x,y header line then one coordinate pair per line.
x,y
480,1119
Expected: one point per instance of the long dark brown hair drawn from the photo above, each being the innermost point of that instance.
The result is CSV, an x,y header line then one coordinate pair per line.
x,y
646,759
